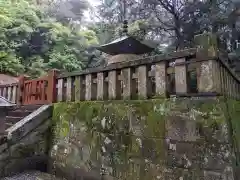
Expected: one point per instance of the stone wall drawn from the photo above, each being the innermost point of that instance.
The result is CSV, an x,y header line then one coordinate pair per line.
x,y
174,139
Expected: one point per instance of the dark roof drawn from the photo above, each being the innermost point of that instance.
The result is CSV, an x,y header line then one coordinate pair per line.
x,y
127,45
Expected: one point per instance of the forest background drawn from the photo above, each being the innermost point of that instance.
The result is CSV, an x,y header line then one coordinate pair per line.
x,y
38,35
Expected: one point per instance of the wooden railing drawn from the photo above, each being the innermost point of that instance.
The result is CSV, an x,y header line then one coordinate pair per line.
x,y
183,73
38,91
10,92
34,91
180,73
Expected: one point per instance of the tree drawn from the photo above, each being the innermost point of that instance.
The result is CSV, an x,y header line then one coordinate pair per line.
x,y
33,42
174,22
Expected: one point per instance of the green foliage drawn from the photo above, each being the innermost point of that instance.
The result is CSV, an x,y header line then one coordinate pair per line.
x,y
10,64
33,43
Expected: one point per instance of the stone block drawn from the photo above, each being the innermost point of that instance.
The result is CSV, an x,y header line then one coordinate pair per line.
x,y
184,155
178,128
206,44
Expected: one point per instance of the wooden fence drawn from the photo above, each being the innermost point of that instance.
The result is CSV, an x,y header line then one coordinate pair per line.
x,y
180,73
10,92
34,91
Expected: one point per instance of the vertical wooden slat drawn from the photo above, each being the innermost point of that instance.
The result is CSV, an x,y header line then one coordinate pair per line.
x,y
225,81
88,92
60,90
101,86
142,81
231,85
79,88
228,84
1,91
113,85
238,91
234,89
51,88
127,85
69,89
216,76
221,70
9,93
14,94
21,90
161,78
4,92
181,76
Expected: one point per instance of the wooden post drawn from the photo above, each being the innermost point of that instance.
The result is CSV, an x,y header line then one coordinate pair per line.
x,y
181,77
221,73
101,86
14,94
9,92
114,88
20,90
80,88
126,78
5,92
51,89
88,92
60,90
228,84
69,89
143,82
161,79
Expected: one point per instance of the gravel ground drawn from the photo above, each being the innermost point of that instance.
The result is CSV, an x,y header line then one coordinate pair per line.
x,y
32,176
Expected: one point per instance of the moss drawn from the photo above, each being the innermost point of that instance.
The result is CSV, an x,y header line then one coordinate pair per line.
x,y
134,130
233,107
119,118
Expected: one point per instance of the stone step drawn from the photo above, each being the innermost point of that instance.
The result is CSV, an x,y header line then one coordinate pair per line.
x,y
8,125
19,113
29,107
13,119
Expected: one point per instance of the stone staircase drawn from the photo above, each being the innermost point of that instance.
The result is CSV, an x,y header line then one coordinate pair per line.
x,y
16,113
24,138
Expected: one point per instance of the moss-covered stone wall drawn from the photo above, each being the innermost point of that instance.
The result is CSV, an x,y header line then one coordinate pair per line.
x,y
178,139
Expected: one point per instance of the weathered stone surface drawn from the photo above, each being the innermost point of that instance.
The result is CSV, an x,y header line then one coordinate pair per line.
x,y
33,175
28,150
159,139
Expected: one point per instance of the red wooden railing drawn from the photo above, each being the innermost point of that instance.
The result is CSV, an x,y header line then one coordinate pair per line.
x,y
37,91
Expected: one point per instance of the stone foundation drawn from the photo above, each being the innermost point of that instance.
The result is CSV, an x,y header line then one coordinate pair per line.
x,y
164,139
